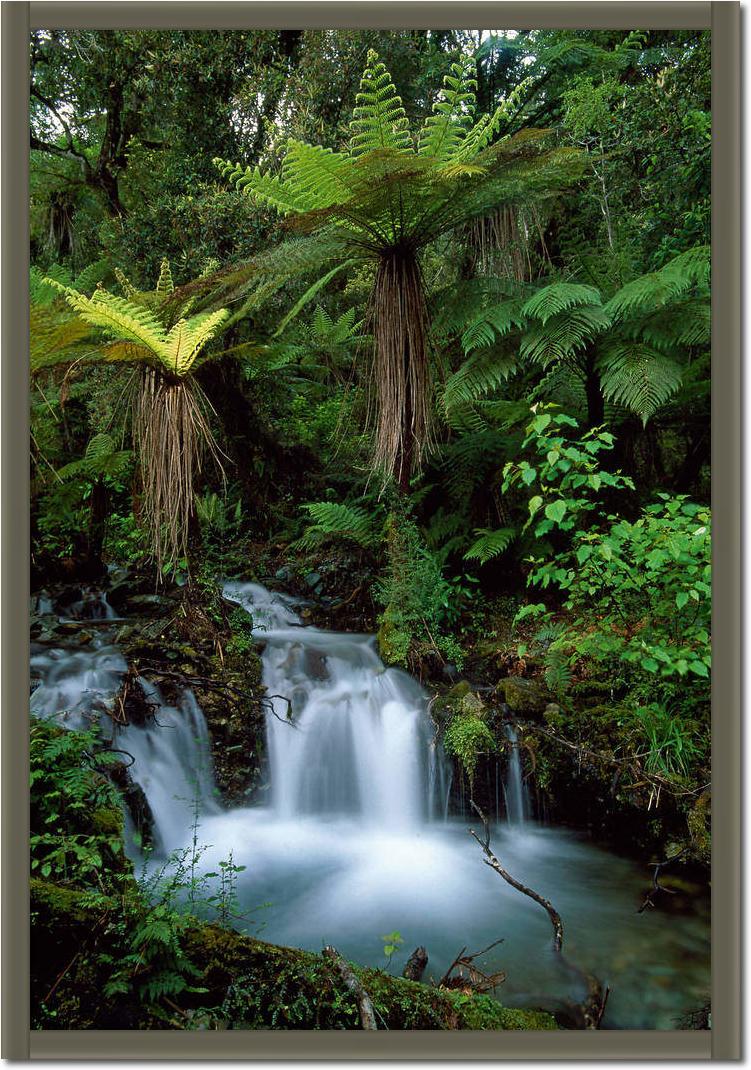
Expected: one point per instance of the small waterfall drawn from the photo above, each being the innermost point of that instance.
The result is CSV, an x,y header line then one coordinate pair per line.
x,y
514,788
92,605
172,764
346,736
76,688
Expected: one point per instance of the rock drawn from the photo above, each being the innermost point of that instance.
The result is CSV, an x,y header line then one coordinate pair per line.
x,y
526,698
551,711
460,699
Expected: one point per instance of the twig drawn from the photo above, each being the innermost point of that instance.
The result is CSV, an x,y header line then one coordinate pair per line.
x,y
367,1013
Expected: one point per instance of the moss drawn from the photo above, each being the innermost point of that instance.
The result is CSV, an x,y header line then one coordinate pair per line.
x,y
393,642
699,827
467,737
245,983
527,698
107,821
459,699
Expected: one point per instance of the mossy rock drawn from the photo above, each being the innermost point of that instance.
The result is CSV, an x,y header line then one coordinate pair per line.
x,y
461,699
525,698
393,643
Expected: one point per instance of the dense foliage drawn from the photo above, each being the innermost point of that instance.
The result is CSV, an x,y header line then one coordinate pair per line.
x,y
436,339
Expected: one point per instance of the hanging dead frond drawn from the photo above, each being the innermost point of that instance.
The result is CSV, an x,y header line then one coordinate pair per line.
x,y
401,396
172,436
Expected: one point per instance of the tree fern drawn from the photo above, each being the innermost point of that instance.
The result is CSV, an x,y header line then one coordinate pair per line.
x,y
379,120
559,297
563,335
383,200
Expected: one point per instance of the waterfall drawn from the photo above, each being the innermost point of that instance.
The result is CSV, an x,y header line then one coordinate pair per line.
x,y
76,688
514,788
346,736
172,764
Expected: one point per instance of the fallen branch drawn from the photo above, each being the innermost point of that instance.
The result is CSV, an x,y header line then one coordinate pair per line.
x,y
492,861
476,980
587,1013
347,974
657,888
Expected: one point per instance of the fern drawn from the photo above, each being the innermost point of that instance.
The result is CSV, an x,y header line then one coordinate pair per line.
x,y
563,335
638,377
444,131
100,459
336,520
490,544
141,332
482,372
379,120
558,297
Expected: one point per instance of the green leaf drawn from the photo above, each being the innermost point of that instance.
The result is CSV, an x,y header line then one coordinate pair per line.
x,y
556,510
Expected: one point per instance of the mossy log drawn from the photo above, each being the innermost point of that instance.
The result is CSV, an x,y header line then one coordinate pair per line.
x,y
246,983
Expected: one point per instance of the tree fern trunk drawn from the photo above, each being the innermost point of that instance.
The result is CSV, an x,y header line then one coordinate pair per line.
x,y
401,399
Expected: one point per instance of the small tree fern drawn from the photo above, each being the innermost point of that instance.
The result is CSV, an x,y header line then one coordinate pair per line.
x,y
171,426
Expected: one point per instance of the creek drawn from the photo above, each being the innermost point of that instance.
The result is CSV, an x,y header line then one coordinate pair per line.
x,y
352,838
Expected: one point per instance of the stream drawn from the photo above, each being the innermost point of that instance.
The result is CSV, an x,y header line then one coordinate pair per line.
x,y
353,839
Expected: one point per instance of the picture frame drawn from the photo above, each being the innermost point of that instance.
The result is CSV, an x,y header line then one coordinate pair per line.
x,y
724,1040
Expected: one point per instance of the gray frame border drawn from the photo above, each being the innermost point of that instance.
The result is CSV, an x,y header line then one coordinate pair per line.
x,y
724,1042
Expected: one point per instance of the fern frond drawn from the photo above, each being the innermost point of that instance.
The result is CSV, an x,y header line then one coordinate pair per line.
x,y
187,338
116,316
336,520
270,191
444,131
563,335
482,372
490,544
637,376
165,286
320,177
92,275
559,296
492,323
379,120
56,336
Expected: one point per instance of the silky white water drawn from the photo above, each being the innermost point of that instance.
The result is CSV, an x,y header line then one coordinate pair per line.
x,y
353,842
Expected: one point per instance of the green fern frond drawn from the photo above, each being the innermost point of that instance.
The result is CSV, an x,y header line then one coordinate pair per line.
x,y
563,335
336,520
267,190
379,120
444,131
319,176
557,297
490,544
118,317
482,372
492,323
90,277
125,284
56,336
165,286
637,376
102,458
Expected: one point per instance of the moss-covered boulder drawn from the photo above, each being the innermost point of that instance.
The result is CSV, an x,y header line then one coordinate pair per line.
x,y
525,698
460,699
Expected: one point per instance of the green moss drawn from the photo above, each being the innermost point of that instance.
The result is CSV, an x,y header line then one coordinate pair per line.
x,y
393,642
467,737
243,982
107,822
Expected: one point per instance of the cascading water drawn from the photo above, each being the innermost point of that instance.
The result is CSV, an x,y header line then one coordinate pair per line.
x,y
346,736
514,789
355,840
